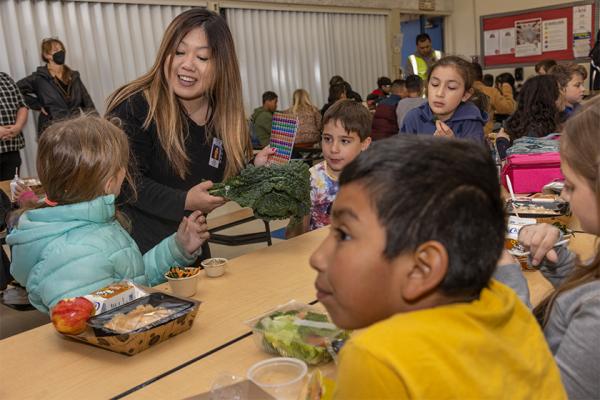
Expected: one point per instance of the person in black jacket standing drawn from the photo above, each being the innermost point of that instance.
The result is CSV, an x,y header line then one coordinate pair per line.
x,y
186,125
55,90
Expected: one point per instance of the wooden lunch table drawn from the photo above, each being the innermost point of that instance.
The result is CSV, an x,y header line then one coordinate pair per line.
x,y
40,363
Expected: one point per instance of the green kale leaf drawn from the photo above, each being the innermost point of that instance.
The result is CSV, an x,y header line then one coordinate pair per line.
x,y
273,192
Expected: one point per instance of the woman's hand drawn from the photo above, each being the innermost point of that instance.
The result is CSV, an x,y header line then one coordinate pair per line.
x,y
198,198
441,129
192,232
262,157
540,240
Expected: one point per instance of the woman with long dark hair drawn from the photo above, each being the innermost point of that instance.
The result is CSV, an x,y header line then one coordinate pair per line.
x,y
176,116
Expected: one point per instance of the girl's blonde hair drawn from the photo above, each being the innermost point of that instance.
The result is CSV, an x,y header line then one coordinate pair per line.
x,y
301,101
77,157
226,121
580,150
46,48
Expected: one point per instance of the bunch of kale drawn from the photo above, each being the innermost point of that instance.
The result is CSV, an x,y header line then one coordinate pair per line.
x,y
273,192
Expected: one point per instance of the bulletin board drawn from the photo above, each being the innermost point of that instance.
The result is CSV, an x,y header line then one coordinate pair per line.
x,y
562,32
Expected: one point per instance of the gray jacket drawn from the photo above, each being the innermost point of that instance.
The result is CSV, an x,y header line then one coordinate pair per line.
x,y
573,327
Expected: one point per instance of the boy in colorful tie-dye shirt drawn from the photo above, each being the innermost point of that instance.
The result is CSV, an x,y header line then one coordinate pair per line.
x,y
346,132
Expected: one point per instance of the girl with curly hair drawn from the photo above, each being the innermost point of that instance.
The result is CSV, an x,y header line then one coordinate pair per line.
x,y
538,112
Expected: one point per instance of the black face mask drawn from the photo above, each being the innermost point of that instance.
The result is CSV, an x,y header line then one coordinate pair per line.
x,y
59,57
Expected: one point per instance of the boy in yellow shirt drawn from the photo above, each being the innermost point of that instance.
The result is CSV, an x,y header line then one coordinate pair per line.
x,y
417,229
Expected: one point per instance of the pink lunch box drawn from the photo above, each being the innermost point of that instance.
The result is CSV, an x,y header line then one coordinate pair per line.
x,y
528,173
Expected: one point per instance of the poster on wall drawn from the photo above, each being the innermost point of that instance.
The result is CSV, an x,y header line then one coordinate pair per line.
x,y
507,41
491,45
582,30
554,32
529,37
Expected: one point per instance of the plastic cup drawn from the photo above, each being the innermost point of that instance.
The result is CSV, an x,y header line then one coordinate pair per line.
x,y
214,267
281,377
184,287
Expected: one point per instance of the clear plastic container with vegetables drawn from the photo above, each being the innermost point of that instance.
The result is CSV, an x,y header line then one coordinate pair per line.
x,y
297,330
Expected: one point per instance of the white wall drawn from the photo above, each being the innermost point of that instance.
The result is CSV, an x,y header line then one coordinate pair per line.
x,y
295,50
465,25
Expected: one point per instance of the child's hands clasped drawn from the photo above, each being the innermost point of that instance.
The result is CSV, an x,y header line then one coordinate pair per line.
x,y
192,232
443,130
540,240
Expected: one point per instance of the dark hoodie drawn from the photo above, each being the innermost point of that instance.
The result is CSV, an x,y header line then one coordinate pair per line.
x,y
41,90
467,121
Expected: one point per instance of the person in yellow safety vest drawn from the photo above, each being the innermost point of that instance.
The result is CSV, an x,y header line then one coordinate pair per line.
x,y
421,61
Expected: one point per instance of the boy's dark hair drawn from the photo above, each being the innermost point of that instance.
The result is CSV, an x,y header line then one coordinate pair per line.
x,y
536,114
335,80
488,80
353,116
269,95
336,91
398,83
414,83
477,71
506,77
564,72
421,37
455,203
546,64
383,81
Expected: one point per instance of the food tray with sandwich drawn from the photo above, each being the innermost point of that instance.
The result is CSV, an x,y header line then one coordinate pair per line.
x,y
124,318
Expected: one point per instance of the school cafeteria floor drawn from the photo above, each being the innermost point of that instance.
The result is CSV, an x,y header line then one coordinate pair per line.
x,y
13,321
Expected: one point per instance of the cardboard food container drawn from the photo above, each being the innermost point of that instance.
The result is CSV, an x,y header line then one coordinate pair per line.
x,y
133,342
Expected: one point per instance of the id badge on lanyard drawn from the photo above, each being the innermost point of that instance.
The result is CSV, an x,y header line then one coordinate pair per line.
x,y
216,153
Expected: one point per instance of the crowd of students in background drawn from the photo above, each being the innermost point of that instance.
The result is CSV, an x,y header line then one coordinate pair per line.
x,y
417,221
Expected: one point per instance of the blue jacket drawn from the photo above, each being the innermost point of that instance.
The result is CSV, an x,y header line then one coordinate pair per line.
x,y
467,121
72,250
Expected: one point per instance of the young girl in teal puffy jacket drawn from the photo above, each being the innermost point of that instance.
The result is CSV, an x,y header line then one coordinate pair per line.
x,y
74,241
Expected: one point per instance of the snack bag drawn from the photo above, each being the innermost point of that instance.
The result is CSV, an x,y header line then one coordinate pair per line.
x,y
114,295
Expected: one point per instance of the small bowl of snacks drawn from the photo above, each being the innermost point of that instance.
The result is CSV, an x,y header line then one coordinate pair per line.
x,y
183,281
214,267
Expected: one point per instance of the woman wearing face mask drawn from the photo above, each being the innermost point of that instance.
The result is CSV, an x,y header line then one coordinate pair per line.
x,y
55,90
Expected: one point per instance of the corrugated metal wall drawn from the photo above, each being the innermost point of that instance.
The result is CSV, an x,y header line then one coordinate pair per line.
x,y
286,50
109,44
